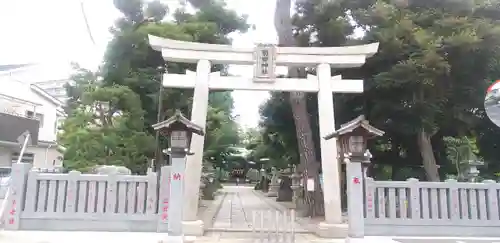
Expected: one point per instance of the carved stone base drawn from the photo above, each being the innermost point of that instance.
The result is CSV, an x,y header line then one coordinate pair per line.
x,y
193,228
326,230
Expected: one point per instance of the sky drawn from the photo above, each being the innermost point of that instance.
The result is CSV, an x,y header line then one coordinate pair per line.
x,y
53,32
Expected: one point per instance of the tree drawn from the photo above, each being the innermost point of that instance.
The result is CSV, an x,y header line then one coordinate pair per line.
x,y
298,103
130,62
104,127
222,138
434,61
279,140
427,81
224,135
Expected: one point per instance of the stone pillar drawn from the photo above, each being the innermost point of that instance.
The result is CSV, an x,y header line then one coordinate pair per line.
x,y
329,157
164,199
274,185
193,226
12,206
355,199
295,186
263,179
177,174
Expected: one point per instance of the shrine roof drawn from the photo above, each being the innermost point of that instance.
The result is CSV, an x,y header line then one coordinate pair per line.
x,y
179,119
358,122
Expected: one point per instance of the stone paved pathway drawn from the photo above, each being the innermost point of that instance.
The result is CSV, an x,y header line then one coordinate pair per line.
x,y
245,237
241,207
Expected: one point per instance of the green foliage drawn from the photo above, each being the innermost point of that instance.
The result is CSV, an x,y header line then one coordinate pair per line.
x,y
460,151
223,135
430,74
104,127
277,141
130,79
435,61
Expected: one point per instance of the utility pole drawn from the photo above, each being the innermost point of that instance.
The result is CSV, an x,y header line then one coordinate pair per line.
x,y
158,153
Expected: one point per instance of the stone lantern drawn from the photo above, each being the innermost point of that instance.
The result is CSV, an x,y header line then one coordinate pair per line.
x,y
473,172
352,137
179,131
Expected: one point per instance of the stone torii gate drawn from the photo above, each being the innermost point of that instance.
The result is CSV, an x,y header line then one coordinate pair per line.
x,y
264,58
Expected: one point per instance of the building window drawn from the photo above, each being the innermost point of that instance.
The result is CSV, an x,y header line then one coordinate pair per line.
x,y
27,158
30,114
37,116
5,171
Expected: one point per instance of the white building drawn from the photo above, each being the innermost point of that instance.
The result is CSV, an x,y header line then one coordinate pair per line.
x,y
55,88
51,77
26,106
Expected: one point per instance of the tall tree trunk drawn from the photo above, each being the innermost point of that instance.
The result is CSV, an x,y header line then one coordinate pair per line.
x,y
298,102
427,153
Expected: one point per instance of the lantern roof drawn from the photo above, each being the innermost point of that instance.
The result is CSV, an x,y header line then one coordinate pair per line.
x,y
178,121
351,126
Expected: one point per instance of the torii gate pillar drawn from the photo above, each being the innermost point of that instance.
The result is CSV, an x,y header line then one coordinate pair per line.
x,y
265,58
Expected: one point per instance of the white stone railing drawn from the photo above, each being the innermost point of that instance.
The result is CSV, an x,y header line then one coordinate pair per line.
x,y
417,208
76,193
413,200
75,201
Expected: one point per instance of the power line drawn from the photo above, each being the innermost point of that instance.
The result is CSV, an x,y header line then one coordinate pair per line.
x,y
89,32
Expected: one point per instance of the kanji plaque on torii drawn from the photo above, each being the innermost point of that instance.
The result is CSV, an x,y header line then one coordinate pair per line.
x,y
265,58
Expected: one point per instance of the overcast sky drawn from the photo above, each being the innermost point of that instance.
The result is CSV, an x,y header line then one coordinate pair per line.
x,y
54,32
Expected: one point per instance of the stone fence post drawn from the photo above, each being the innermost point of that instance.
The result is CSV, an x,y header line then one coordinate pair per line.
x,y
355,198
163,199
15,195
